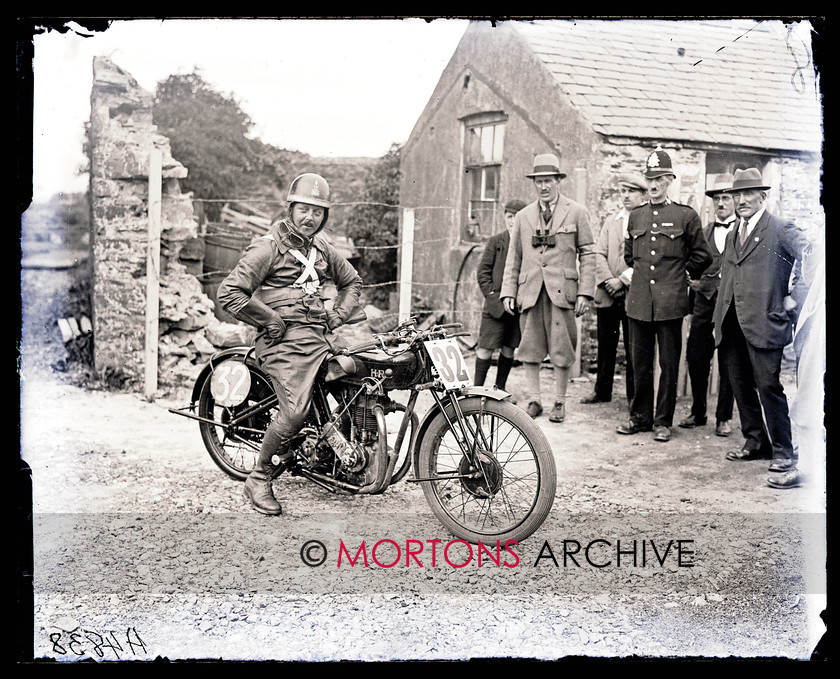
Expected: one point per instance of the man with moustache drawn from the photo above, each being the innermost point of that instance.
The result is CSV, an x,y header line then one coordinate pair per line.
x,y
550,279
277,286
612,279
754,319
700,346
665,242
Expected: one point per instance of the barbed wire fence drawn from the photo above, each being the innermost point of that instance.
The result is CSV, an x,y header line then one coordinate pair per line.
x,y
267,210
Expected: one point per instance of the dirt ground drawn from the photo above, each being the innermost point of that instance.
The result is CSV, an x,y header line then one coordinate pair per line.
x,y
136,529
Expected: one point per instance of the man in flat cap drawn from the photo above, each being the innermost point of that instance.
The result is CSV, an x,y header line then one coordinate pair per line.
x,y
612,279
498,329
700,346
665,241
754,319
550,279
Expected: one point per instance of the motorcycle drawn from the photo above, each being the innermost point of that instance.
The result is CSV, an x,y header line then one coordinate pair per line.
x,y
486,469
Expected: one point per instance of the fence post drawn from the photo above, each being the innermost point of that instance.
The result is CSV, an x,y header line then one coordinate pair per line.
x,y
406,264
153,274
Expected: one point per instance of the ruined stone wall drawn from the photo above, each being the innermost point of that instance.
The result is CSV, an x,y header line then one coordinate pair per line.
x,y
122,136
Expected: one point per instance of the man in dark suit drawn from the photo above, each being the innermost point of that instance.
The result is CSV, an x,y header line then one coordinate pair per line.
x,y
550,279
498,330
700,346
754,319
665,241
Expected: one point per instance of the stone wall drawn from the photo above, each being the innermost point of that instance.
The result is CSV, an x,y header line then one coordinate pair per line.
x,y
122,137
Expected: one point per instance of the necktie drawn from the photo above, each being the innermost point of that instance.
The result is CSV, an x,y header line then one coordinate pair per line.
x,y
743,232
546,215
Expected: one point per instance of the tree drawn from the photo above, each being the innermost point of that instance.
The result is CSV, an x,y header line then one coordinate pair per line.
x,y
208,135
373,225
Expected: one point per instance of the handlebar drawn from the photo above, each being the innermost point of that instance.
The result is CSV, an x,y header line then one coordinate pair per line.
x,y
406,333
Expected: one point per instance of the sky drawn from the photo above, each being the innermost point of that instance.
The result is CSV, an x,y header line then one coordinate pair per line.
x,y
323,87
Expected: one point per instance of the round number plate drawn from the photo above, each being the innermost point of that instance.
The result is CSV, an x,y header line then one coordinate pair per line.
x,y
230,383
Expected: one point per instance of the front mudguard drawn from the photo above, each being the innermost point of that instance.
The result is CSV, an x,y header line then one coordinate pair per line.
x,y
245,353
472,391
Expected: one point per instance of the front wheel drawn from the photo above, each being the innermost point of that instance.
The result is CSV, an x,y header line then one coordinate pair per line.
x,y
498,482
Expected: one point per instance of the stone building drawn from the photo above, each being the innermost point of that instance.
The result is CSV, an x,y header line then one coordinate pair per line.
x,y
716,95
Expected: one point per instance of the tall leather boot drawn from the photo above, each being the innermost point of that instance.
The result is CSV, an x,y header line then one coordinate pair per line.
x,y
273,460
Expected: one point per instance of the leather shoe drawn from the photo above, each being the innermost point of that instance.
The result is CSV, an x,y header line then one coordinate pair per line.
x,y
594,398
746,455
662,434
534,409
630,427
558,413
723,428
692,421
789,479
781,464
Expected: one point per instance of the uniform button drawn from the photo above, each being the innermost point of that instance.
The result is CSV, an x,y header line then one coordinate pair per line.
x,y
653,237
652,282
653,252
656,212
652,267
653,225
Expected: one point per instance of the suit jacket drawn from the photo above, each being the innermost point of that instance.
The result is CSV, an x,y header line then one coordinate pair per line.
x,y
757,279
566,270
709,280
491,271
665,241
609,258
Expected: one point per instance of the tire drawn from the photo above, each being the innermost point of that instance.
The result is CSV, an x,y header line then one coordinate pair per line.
x,y
235,450
515,492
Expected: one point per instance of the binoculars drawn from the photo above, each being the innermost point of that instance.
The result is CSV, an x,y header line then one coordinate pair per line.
x,y
546,239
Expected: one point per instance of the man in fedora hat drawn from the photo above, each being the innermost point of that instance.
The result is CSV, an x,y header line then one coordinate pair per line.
x,y
498,329
665,241
550,279
700,346
754,319
612,278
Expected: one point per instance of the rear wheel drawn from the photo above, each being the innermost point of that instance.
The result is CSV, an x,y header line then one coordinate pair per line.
x,y
498,482
234,443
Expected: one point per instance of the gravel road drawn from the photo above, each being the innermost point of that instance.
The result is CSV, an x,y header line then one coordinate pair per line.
x,y
144,549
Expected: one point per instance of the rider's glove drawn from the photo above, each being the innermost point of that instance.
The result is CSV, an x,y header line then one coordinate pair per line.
x,y
334,320
262,316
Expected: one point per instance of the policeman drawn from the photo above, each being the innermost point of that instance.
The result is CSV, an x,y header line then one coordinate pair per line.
x,y
277,286
665,241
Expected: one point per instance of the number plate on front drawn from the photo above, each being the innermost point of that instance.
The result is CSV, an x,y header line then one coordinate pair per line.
x,y
449,362
230,383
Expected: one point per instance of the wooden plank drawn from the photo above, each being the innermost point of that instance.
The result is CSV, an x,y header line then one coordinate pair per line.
x,y
406,264
153,274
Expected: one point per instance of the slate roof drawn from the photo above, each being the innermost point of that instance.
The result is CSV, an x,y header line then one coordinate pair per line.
x,y
732,81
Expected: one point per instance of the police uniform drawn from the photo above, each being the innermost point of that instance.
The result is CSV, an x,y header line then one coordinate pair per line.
x,y
665,241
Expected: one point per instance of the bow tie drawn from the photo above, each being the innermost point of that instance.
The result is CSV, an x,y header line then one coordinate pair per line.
x,y
726,224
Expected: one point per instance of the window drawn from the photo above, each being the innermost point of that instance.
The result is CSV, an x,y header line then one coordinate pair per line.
x,y
483,144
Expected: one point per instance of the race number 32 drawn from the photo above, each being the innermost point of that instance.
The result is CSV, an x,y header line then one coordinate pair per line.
x,y
230,383
449,362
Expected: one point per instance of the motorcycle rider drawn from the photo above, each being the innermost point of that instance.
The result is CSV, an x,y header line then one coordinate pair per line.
x,y
276,286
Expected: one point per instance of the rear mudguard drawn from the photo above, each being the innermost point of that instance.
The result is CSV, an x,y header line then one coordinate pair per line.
x,y
466,392
246,353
